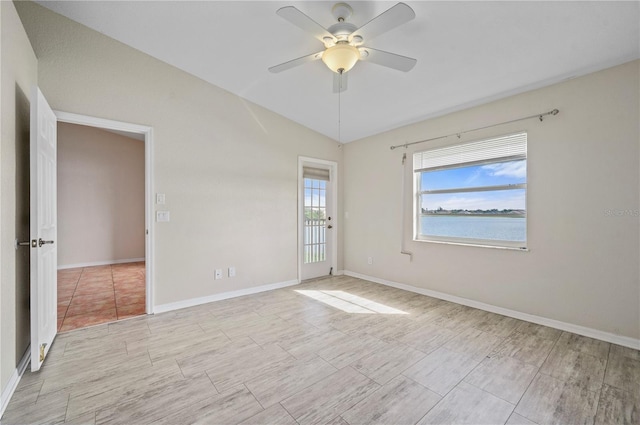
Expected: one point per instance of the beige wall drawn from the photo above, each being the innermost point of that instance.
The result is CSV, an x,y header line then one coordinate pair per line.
x,y
100,196
19,74
228,167
582,267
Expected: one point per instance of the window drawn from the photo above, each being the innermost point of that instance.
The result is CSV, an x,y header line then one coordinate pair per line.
x,y
473,193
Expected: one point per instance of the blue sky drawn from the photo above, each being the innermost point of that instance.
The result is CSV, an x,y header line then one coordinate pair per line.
x,y
503,173
315,191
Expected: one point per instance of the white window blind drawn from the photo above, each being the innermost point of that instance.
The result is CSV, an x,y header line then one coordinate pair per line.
x,y
315,173
509,147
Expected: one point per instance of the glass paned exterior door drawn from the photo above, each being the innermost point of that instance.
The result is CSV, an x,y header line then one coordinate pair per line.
x,y
316,220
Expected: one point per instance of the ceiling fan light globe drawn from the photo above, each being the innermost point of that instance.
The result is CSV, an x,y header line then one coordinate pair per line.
x,y
341,57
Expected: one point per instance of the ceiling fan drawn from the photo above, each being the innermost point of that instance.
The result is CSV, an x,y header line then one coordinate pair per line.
x,y
344,42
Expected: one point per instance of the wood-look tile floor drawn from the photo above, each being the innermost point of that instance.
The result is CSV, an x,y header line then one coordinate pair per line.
x,y
332,351
100,294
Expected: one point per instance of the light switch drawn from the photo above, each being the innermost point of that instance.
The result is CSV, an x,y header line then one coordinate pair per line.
x,y
162,216
160,198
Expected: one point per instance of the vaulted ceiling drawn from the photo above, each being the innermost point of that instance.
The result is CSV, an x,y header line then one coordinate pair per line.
x,y
468,52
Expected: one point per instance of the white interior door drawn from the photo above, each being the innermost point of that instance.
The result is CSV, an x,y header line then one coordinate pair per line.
x,y
43,218
317,223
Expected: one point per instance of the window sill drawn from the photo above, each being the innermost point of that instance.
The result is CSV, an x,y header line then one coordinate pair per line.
x,y
478,244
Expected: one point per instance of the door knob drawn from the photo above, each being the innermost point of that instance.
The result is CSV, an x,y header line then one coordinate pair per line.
x,y
41,242
329,227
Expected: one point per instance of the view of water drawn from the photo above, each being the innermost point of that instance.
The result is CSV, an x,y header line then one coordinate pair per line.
x,y
474,227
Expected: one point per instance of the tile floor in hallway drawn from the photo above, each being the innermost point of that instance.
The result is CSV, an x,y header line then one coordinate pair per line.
x,y
93,295
333,351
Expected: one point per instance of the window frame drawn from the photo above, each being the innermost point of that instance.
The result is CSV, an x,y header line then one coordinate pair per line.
x,y
490,243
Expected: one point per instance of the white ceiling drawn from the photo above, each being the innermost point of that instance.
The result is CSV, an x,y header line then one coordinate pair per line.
x,y
468,52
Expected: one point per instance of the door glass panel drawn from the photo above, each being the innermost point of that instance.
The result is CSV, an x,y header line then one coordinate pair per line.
x,y
315,214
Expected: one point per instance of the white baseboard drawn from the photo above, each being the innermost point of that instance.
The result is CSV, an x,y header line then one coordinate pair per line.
x,y
569,327
222,296
100,263
7,392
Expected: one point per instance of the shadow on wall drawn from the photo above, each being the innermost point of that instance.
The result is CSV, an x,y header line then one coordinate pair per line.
x,y
23,317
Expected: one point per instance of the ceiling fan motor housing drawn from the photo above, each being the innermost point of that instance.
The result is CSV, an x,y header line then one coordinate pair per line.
x,y
342,30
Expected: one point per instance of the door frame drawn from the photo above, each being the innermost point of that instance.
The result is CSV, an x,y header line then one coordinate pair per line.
x,y
147,131
332,166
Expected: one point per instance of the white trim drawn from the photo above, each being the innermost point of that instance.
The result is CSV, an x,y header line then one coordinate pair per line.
x,y
8,391
478,243
568,327
149,221
72,118
222,296
100,263
333,180
148,184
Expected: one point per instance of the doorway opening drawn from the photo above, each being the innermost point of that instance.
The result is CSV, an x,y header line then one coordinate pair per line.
x,y
317,221
104,214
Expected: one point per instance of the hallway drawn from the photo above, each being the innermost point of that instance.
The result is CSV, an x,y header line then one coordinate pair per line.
x,y
100,294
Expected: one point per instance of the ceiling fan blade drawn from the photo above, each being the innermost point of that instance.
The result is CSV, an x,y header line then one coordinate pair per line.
x,y
397,15
390,60
340,82
304,22
295,62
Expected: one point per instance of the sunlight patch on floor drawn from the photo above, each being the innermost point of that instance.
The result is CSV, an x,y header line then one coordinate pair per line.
x,y
350,303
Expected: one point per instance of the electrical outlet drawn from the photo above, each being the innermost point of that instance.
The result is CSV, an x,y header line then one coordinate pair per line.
x,y
218,274
232,271
370,260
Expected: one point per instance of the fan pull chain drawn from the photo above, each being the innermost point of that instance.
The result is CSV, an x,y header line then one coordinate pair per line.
x,y
339,109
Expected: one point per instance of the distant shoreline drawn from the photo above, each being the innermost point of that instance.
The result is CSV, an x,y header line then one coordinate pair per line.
x,y
475,215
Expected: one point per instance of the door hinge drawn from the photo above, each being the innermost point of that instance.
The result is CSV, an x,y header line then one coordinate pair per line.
x,y
42,347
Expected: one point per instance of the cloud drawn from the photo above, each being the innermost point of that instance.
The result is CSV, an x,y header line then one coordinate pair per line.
x,y
473,177
517,169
